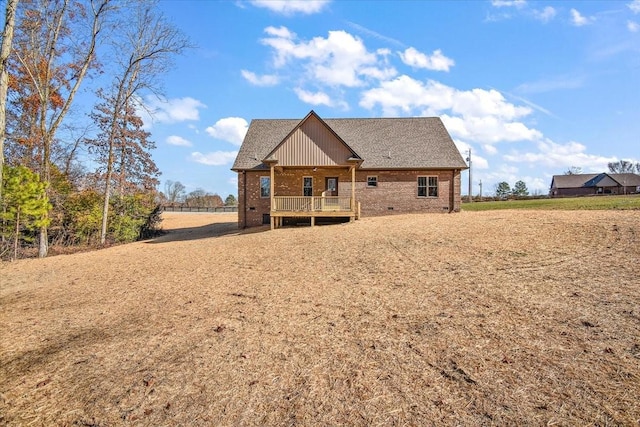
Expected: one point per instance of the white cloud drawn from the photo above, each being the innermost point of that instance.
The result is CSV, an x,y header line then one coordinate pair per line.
x,y
578,20
318,98
509,3
476,115
490,149
634,6
216,158
154,110
230,129
233,180
340,59
479,162
282,32
545,15
561,156
178,140
489,129
264,80
406,94
437,61
633,26
291,7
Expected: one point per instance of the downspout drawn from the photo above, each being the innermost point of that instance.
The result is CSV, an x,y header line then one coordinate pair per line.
x,y
244,199
271,190
452,191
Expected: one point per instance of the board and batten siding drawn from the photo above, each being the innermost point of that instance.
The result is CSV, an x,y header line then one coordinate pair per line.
x,y
312,144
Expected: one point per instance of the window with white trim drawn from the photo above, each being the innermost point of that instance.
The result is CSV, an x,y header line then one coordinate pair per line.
x,y
372,181
307,186
265,186
427,186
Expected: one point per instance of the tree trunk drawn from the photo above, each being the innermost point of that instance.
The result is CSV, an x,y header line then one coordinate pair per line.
x,y
107,186
7,37
15,239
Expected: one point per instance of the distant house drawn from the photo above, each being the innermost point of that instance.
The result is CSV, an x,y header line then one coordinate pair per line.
x,y
314,168
593,184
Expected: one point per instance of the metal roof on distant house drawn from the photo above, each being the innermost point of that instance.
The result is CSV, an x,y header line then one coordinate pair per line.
x,y
381,143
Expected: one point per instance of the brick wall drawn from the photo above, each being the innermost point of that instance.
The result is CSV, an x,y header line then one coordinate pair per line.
x,y
251,214
397,192
395,189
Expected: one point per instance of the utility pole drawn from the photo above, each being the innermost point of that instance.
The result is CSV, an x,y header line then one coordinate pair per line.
x,y
480,190
469,160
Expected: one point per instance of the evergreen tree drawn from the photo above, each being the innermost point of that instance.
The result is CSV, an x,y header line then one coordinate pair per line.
x,y
503,190
24,204
133,168
520,189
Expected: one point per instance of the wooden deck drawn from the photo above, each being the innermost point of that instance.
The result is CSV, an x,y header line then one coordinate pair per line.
x,y
311,207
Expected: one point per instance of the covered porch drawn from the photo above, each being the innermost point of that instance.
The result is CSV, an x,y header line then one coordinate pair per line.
x,y
323,198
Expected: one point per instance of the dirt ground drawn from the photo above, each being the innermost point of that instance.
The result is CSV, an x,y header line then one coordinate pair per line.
x,y
476,318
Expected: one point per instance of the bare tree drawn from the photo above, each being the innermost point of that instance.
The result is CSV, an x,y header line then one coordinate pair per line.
x,y
147,45
174,191
55,48
621,166
574,170
7,37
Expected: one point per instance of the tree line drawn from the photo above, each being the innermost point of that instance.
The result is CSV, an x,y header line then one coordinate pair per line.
x,y
72,177
175,195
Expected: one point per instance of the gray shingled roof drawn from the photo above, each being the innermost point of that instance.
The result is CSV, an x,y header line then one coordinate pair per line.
x,y
571,181
592,179
626,179
385,143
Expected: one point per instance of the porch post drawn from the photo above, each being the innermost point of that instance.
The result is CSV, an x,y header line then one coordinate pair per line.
x,y
353,188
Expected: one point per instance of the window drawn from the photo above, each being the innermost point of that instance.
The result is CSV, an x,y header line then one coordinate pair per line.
x,y
427,186
265,186
307,186
372,181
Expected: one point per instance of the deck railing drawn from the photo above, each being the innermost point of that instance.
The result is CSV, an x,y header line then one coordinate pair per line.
x,y
311,204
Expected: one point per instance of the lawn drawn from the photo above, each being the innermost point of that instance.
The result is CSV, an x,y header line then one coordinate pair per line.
x,y
521,317
569,203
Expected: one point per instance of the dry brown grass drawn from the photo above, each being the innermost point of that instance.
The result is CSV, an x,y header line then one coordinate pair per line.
x,y
504,317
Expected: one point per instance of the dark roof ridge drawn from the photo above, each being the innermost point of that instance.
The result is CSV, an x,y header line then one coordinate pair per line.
x,y
352,118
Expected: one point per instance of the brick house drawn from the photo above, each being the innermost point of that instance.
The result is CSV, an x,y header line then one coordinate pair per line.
x,y
594,184
343,168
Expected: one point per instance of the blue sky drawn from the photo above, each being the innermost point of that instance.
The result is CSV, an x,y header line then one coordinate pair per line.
x,y
532,88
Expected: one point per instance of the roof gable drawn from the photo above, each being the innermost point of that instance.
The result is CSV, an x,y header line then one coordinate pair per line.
x,y
312,143
600,180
